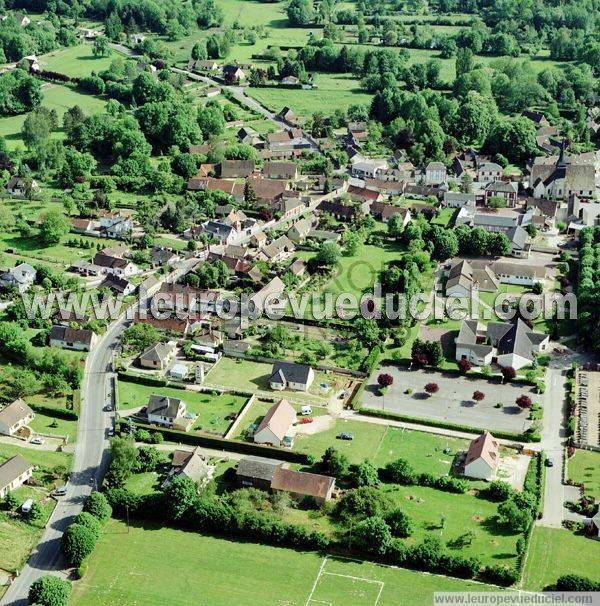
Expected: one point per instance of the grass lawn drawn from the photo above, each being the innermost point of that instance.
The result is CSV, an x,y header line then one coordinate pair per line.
x,y
334,91
76,61
445,216
424,451
122,571
58,97
354,275
367,440
211,410
17,537
59,253
554,552
462,513
143,483
48,425
584,467
245,375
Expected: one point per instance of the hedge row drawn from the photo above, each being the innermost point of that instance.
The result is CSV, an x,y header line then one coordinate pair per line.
x,y
196,439
210,514
61,413
406,362
371,360
396,416
140,380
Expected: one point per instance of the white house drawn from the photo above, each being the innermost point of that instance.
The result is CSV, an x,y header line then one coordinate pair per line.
x,y
158,356
289,375
435,173
165,410
20,277
13,474
14,416
115,265
363,168
78,339
488,172
482,457
115,225
18,186
276,427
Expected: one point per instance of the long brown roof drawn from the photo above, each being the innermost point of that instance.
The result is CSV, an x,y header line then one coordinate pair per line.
x,y
300,482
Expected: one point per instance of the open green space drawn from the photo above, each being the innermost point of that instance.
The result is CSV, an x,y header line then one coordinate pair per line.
x,y
44,459
48,425
333,91
554,552
366,442
424,451
76,61
245,375
584,467
122,570
211,409
56,96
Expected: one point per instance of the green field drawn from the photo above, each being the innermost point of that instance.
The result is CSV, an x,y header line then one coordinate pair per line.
x,y
367,439
584,467
335,91
122,570
58,97
245,375
554,552
424,451
75,61
48,425
211,409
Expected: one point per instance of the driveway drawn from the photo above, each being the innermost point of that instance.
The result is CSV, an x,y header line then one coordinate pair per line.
x,y
453,402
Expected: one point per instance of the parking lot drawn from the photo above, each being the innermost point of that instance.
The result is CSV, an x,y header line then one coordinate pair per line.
x,y
453,403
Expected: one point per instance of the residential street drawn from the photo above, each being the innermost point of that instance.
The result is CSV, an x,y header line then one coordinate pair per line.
x,y
90,461
553,435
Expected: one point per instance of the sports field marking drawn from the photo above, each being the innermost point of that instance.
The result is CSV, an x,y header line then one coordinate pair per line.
x,y
321,573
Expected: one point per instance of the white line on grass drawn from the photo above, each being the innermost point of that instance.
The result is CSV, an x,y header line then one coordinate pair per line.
x,y
312,591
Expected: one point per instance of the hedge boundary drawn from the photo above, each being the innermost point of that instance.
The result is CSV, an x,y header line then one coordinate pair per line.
x,y
396,416
61,413
217,443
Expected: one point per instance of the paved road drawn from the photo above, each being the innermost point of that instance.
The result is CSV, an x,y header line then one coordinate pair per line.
x,y
90,461
553,436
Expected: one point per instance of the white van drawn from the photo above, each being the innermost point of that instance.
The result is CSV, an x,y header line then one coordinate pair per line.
x,y
61,491
26,507
306,410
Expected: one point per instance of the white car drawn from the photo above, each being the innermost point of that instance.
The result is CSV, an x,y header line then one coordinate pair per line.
x,y
61,491
37,440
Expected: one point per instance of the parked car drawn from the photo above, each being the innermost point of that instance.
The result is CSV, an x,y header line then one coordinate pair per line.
x,y
110,432
26,507
61,491
549,462
37,440
345,436
108,408
306,420
306,410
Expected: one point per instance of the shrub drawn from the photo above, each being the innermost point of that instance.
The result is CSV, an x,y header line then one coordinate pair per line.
x,y
89,521
97,504
432,388
500,575
509,373
400,523
575,582
464,366
498,491
50,591
77,543
478,396
385,380
373,535
399,471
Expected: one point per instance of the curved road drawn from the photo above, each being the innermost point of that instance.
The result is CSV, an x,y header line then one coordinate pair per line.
x,y
90,461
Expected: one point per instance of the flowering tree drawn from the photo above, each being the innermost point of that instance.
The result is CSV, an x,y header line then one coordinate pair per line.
x,y
478,396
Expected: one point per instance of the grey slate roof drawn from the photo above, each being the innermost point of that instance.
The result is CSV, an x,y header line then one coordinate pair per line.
x,y
163,406
259,468
290,372
12,469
